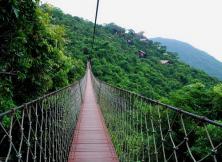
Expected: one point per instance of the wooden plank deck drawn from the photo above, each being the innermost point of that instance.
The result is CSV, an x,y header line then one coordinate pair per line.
x,y
91,142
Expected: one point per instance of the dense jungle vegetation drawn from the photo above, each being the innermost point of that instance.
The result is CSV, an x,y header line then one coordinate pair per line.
x,y
33,60
43,49
116,59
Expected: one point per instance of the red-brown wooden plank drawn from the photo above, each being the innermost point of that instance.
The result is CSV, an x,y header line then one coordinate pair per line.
x,y
91,141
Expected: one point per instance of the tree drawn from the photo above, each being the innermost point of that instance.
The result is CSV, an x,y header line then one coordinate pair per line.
x,y
32,59
217,100
194,98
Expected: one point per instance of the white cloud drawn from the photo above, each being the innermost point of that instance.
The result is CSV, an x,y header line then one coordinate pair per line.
x,y
197,22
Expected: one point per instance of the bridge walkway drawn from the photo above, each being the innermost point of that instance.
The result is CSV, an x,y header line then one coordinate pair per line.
x,y
91,141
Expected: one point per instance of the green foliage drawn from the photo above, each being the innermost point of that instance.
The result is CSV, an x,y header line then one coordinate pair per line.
x,y
43,49
115,60
199,99
194,98
33,60
217,100
202,145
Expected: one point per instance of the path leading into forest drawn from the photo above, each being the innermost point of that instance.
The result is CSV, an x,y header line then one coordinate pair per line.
x,y
91,141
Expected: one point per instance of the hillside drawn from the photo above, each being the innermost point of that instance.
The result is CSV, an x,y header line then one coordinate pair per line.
x,y
127,59
51,52
193,56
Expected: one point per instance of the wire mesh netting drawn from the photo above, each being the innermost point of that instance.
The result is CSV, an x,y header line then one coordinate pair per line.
x,y
41,130
146,130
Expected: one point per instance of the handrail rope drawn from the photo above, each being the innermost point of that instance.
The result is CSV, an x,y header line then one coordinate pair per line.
x,y
180,110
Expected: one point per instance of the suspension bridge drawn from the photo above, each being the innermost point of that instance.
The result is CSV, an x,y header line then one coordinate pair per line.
x,y
92,121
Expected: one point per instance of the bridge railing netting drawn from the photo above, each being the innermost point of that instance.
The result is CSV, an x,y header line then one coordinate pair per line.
x,y
146,130
41,130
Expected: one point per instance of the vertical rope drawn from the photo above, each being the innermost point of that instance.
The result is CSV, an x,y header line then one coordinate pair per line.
x,y
29,133
161,133
41,130
19,155
95,23
171,137
10,139
94,29
148,140
186,138
36,132
153,134
49,129
211,143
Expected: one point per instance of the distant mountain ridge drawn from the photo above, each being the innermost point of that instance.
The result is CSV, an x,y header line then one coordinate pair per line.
x,y
193,56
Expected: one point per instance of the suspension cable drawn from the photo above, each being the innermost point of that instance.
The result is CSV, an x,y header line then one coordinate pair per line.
x,y
95,24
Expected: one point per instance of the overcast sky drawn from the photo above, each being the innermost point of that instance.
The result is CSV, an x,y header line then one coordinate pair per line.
x,y
198,22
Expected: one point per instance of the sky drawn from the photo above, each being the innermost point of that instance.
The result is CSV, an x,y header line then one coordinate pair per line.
x,y
197,22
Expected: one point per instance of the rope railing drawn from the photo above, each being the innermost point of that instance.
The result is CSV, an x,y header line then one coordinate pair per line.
x,y
146,130
42,129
